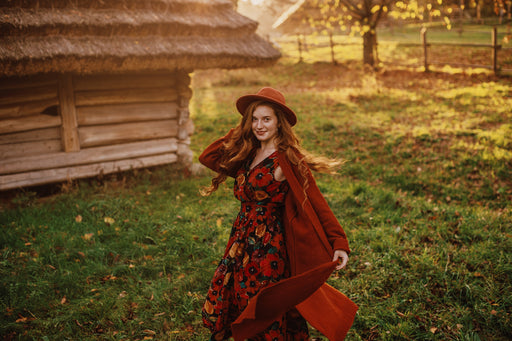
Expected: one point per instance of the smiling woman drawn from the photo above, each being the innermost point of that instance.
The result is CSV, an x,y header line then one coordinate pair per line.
x,y
285,241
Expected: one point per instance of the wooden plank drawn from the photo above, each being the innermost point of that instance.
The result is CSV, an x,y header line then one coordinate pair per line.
x,y
62,174
31,136
28,82
108,114
89,156
28,108
92,136
13,125
29,148
13,96
125,96
70,140
134,81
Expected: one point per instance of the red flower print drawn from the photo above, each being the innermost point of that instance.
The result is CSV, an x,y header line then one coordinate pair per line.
x,y
273,335
252,269
261,178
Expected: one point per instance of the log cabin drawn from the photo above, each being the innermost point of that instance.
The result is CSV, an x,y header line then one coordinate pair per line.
x,y
96,87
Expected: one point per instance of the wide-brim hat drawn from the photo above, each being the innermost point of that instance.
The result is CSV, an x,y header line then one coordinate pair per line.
x,y
271,95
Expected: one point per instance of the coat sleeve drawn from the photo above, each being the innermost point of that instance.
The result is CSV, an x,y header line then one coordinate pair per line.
x,y
212,155
333,230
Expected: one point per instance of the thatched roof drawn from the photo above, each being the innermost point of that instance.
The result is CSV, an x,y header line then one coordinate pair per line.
x,y
295,19
86,36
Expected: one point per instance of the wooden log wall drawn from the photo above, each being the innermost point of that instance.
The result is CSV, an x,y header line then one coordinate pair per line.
x,y
62,127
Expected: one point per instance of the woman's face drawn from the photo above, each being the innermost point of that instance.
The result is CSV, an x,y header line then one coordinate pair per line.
x,y
264,123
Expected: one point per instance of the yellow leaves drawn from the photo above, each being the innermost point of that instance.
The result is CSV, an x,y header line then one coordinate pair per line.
x,y
219,222
149,331
109,221
375,9
88,236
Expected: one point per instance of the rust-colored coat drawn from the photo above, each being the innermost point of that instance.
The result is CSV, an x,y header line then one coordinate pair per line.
x,y
312,234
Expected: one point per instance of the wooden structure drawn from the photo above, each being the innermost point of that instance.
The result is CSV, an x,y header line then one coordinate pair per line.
x,y
91,87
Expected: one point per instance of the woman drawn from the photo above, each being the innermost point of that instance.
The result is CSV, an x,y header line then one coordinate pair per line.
x,y
285,241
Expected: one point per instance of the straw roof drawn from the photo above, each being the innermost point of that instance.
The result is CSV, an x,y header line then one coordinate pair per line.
x,y
86,36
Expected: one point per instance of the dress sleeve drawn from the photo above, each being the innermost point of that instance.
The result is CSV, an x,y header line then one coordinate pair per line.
x,y
333,230
212,155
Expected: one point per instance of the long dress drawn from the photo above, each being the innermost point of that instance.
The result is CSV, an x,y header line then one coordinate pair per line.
x,y
255,256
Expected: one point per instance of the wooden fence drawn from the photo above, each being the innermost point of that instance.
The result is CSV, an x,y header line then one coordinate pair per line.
x,y
426,47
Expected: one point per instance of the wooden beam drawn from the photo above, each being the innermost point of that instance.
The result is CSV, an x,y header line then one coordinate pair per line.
x,y
92,136
28,148
118,113
28,108
70,140
31,136
48,81
119,96
13,125
134,81
88,156
16,96
63,174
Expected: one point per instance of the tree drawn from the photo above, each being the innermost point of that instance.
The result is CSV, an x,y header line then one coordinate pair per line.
x,y
363,16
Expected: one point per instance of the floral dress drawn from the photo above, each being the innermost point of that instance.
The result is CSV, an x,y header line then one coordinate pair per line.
x,y
255,256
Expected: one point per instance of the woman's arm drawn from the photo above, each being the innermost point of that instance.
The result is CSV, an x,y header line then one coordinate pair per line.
x,y
212,155
333,230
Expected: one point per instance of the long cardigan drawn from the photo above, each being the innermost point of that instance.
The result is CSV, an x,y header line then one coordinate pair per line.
x,y
312,232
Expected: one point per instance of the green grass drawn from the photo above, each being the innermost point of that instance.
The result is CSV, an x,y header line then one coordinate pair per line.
x,y
425,198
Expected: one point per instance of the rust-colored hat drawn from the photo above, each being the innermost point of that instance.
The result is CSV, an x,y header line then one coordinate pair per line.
x,y
271,95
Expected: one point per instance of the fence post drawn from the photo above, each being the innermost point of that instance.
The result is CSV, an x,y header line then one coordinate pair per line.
x,y
300,48
425,47
332,49
495,48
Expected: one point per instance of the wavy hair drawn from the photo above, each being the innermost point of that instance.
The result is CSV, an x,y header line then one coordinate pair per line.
x,y
243,143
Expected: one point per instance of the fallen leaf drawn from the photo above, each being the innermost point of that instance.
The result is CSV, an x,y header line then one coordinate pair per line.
x,y
87,236
63,300
493,312
22,319
433,330
78,218
109,220
123,294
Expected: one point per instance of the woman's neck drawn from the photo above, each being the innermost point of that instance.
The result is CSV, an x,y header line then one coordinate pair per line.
x,y
268,147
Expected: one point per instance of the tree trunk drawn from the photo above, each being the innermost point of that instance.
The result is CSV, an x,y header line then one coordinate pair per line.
x,y
370,48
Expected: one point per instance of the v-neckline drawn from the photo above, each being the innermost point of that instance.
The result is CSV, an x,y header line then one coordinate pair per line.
x,y
259,163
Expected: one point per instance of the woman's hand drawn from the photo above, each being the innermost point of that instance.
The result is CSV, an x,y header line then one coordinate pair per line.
x,y
340,255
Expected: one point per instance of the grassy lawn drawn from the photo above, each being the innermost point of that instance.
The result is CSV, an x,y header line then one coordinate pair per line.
x,y
425,197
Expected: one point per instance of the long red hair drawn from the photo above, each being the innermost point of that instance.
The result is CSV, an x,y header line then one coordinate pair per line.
x,y
243,143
